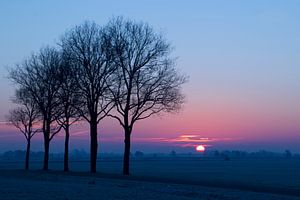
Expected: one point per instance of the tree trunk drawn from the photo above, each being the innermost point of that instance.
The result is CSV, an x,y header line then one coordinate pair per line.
x,y
94,144
126,152
46,154
27,155
46,133
66,155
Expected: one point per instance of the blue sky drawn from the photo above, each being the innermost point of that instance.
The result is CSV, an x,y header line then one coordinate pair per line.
x,y
242,58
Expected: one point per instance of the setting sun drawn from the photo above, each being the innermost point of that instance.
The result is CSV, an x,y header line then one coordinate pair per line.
x,y
200,148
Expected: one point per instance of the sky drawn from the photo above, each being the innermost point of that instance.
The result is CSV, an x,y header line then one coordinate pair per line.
x,y
242,59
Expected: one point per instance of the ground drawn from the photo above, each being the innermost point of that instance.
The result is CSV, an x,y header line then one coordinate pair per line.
x,y
19,184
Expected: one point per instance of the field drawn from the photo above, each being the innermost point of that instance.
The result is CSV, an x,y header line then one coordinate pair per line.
x,y
167,178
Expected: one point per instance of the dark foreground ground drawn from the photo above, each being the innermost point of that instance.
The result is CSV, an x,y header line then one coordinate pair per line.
x,y
18,184
176,178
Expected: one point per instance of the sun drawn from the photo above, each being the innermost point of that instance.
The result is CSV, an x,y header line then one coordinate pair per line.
x,y
200,148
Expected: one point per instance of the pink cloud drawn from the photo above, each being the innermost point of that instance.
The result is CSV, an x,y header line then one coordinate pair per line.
x,y
181,140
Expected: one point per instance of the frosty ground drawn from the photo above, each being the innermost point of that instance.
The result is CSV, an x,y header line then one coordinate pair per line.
x,y
18,184
167,178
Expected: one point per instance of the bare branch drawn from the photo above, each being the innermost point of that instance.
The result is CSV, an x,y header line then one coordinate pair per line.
x,y
146,81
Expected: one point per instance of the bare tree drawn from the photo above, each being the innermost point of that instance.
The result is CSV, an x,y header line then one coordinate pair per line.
x,y
38,77
146,80
24,118
87,49
69,101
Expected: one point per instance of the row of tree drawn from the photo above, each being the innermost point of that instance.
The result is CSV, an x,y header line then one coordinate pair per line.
x,y
123,70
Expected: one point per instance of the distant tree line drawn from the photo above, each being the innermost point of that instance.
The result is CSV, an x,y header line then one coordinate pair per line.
x,y
122,70
81,155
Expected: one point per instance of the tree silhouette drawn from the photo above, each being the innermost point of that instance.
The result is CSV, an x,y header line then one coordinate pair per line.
x,y
123,65
139,154
146,81
38,76
87,49
24,118
288,154
69,100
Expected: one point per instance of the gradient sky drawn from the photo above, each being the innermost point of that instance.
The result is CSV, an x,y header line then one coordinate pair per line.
x,y
242,58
